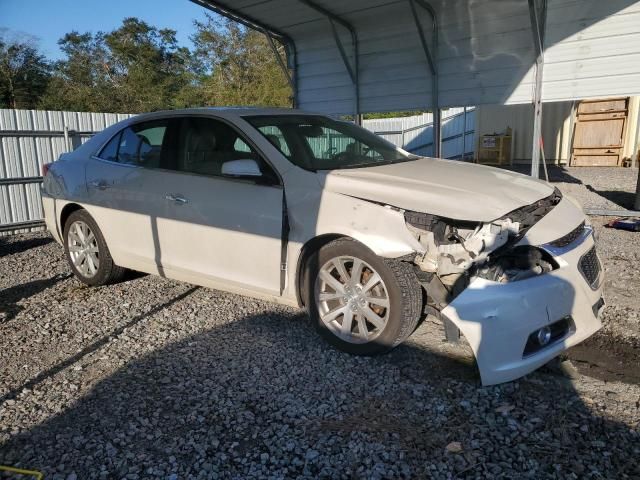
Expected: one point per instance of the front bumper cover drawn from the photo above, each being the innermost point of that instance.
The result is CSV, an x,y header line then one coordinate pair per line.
x,y
497,319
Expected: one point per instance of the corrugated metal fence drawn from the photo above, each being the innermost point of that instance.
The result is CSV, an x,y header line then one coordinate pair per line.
x,y
31,138
415,133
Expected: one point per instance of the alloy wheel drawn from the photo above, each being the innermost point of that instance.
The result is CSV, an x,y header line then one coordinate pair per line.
x,y
83,249
352,299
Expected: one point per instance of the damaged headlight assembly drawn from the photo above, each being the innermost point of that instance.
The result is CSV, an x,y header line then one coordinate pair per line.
x,y
455,251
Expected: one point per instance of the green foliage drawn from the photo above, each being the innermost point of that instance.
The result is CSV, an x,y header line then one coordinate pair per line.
x,y
238,66
24,73
135,68
141,68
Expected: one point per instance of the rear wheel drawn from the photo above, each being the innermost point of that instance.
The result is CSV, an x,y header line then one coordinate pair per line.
x,y
361,303
87,252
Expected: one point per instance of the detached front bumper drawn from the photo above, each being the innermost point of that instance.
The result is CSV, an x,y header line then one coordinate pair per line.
x,y
499,319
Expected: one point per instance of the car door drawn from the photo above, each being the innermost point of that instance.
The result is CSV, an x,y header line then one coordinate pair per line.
x,y
121,185
223,228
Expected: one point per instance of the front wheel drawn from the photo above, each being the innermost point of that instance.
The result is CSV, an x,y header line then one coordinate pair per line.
x,y
361,303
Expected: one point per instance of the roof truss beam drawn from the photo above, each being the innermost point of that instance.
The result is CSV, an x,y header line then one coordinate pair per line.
x,y
271,33
352,70
281,62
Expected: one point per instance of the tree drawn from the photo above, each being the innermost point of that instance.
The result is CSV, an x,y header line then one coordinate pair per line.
x,y
80,82
140,68
147,65
237,66
24,73
135,68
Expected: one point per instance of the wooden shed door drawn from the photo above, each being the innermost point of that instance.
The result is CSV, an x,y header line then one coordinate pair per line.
x,y
598,137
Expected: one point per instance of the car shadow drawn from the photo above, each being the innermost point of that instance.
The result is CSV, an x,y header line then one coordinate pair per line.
x,y
624,200
10,246
10,297
557,173
218,401
50,372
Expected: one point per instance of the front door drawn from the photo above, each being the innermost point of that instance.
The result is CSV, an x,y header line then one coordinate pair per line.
x,y
220,227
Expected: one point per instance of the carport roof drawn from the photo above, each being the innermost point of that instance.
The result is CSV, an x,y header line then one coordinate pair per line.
x,y
486,52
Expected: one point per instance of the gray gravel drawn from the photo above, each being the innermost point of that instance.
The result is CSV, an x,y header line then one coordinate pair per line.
x,y
595,187
152,378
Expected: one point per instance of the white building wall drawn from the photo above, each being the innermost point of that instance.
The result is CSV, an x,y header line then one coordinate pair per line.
x,y
556,128
558,120
599,59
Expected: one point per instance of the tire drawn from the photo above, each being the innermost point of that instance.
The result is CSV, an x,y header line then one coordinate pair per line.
x,y
83,237
323,299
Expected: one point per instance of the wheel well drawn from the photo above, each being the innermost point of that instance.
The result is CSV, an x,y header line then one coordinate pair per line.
x,y
307,250
67,210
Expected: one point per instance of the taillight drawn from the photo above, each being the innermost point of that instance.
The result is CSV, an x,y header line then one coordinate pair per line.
x,y
45,169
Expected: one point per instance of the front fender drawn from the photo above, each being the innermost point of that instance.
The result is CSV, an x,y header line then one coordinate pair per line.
x,y
381,228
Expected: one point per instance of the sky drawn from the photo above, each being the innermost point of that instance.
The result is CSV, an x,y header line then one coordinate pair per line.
x,y
49,20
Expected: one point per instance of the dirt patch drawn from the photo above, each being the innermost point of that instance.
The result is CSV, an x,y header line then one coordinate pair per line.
x,y
607,358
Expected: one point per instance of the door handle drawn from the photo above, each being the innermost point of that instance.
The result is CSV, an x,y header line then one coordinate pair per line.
x,y
99,184
179,199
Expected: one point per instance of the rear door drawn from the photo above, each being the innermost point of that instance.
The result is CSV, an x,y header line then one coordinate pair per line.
x,y
122,192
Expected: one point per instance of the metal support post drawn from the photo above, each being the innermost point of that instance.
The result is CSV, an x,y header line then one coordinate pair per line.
x,y
66,139
636,204
432,61
636,163
464,133
538,16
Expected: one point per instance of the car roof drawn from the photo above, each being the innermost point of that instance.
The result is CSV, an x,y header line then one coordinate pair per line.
x,y
224,112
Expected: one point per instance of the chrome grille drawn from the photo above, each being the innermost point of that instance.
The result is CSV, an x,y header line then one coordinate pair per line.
x,y
590,267
570,237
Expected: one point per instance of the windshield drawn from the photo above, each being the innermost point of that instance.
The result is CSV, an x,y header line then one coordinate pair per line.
x,y
315,142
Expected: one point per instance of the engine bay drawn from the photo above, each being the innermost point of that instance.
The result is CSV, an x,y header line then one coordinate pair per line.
x,y
456,252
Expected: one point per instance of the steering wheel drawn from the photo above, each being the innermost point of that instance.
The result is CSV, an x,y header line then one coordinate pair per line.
x,y
330,152
341,156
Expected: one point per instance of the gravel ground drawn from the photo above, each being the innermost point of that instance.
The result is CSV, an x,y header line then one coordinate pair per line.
x,y
152,378
595,187
614,189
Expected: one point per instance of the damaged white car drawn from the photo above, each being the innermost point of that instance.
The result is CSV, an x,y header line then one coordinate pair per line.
x,y
309,211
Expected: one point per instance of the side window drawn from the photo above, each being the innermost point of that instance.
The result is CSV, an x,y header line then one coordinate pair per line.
x,y
128,148
110,150
206,144
151,140
241,146
140,144
276,137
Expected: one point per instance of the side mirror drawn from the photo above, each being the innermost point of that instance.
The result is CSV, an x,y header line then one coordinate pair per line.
x,y
241,168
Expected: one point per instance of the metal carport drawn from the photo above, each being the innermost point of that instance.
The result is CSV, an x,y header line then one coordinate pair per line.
x,y
361,56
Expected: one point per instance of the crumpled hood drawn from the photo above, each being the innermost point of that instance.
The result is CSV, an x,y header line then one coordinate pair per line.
x,y
446,188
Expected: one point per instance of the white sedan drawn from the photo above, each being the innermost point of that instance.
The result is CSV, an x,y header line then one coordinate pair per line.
x,y
309,211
